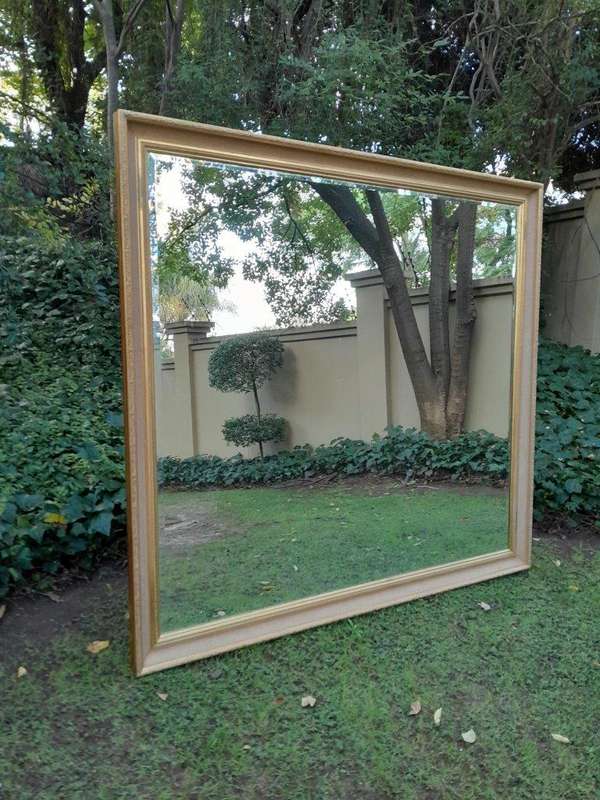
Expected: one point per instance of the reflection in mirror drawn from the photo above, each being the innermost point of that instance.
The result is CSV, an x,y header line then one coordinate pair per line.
x,y
332,383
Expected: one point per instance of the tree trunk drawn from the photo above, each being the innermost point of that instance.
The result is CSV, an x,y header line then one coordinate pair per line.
x,y
466,314
256,401
60,44
442,236
114,49
173,28
439,385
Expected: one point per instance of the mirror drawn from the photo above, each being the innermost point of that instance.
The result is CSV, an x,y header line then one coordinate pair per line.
x,y
333,392
276,340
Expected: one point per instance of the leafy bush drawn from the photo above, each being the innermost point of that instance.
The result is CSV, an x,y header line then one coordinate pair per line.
x,y
567,461
61,457
250,429
405,451
244,364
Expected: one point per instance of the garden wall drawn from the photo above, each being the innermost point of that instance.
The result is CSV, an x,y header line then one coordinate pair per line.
x,y
571,267
344,379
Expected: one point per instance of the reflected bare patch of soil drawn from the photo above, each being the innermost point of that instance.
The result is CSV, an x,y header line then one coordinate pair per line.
x,y
191,523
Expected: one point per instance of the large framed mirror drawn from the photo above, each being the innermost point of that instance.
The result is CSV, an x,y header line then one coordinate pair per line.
x,y
329,363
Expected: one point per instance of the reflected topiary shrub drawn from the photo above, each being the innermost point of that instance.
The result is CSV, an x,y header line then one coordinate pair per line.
x,y
249,429
244,364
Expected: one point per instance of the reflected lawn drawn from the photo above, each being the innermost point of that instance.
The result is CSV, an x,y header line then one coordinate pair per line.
x,y
229,551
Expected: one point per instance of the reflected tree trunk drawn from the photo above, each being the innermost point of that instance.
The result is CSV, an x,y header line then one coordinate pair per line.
x,y
440,379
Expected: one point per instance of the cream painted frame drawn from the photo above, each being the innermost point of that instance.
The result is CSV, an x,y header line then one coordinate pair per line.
x,y
135,136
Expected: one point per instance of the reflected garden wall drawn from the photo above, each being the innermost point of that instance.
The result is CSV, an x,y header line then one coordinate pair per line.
x,y
345,379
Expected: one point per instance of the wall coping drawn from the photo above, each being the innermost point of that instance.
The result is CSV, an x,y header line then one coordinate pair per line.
x,y
575,209
587,180
333,330
481,286
199,327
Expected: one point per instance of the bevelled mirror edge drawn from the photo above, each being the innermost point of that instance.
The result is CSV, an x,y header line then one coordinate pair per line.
x,y
136,135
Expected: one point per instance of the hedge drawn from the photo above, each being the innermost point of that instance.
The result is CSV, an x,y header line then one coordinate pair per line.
x,y
62,492
567,445
402,451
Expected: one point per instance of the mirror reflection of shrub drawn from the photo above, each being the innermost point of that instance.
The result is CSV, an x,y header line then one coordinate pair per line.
x,y
244,364
249,429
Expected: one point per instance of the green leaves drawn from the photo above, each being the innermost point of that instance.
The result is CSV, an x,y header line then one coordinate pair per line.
x,y
249,429
61,458
567,462
567,471
401,451
240,363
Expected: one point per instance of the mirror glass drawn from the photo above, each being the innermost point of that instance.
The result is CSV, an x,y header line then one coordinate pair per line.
x,y
332,383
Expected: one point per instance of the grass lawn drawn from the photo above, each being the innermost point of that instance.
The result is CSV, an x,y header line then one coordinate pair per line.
x,y
273,545
79,726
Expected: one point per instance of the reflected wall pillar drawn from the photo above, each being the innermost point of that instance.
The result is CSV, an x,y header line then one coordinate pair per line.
x,y
372,356
182,402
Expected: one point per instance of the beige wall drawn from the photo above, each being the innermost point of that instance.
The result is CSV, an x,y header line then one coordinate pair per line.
x,y
571,268
314,390
344,379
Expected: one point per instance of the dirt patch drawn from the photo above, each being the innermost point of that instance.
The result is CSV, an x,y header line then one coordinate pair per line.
x,y
185,525
37,618
566,538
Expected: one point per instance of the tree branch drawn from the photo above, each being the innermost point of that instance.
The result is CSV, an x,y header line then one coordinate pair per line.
x,y
341,200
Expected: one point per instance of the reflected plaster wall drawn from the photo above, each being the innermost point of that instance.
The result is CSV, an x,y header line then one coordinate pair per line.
x,y
343,379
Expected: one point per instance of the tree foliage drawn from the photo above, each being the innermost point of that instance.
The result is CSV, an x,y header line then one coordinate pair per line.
x,y
248,429
244,364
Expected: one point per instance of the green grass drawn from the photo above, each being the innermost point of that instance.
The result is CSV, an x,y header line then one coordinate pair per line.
x,y
283,545
80,726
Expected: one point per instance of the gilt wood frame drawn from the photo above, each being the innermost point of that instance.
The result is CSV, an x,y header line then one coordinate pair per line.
x,y
136,135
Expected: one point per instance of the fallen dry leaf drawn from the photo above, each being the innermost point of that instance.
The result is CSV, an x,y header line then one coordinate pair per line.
x,y
469,736
558,737
415,708
2,610
55,519
54,597
162,695
437,716
21,672
308,701
97,646
485,606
